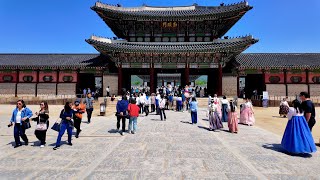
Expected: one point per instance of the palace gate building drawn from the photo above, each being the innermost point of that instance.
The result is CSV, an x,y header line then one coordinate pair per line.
x,y
159,46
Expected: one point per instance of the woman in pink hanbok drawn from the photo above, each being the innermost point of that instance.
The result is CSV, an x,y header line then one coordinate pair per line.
x,y
246,113
232,117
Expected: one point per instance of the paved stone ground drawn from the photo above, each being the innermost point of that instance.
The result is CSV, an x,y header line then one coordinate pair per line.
x,y
172,149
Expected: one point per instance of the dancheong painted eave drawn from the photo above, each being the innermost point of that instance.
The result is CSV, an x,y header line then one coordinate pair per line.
x,y
194,12
216,46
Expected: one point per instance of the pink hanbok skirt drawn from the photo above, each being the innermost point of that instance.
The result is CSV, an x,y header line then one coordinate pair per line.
x,y
233,122
246,117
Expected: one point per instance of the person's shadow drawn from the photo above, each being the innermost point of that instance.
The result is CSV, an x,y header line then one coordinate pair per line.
x,y
186,122
113,131
279,148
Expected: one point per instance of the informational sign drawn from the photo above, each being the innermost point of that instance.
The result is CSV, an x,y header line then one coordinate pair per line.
x,y
265,95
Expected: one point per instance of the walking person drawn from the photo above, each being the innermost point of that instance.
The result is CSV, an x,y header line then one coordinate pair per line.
x,y
284,108
308,109
247,114
42,123
232,117
153,102
79,109
66,116
108,91
147,104
133,110
89,106
194,110
122,107
297,137
224,109
214,118
162,104
20,116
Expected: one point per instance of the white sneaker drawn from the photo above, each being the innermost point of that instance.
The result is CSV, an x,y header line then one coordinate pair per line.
x,y
129,132
42,146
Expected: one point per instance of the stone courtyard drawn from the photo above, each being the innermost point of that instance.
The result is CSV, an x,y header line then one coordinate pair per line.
x,y
172,149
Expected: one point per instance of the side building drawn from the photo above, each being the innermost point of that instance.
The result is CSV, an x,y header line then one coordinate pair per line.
x,y
281,74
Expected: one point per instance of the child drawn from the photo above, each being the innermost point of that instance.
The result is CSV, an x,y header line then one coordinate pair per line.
x,y
133,110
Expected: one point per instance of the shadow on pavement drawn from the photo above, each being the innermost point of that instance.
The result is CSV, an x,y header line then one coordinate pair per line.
x,y
202,127
205,119
186,122
112,131
278,148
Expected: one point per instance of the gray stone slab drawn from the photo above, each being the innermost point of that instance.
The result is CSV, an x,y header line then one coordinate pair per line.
x,y
54,174
16,174
111,175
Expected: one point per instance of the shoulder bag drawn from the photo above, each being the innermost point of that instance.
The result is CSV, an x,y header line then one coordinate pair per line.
x,y
42,126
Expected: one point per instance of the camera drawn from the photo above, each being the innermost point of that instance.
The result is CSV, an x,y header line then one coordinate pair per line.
x,y
9,125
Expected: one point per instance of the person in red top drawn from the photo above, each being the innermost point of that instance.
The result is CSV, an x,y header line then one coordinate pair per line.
x,y
133,110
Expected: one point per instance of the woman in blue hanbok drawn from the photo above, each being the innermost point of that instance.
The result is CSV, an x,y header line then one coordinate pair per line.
x,y
297,138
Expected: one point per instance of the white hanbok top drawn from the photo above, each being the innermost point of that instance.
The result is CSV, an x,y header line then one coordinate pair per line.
x,y
224,101
213,107
293,112
284,103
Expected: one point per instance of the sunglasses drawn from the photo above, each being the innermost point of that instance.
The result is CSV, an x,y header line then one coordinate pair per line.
x,y
19,103
41,104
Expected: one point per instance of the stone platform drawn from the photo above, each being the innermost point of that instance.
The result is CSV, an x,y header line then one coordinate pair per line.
x,y
172,149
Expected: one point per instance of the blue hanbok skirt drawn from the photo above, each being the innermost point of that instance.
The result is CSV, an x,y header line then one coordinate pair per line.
x,y
297,137
224,117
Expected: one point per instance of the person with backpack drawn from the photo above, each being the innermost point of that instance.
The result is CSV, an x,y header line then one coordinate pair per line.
x,y
162,105
20,117
121,114
133,110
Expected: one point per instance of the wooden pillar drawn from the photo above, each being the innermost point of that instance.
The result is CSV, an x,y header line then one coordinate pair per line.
x,y
220,80
264,80
152,87
285,81
58,76
17,81
238,85
77,83
307,80
120,79
187,74
36,92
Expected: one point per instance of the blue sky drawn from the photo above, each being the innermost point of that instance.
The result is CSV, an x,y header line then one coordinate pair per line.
x,y
61,26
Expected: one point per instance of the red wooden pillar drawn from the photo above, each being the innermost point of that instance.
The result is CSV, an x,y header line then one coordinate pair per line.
x,y
238,85
187,74
58,75
120,79
152,87
285,81
17,81
38,72
219,80
307,80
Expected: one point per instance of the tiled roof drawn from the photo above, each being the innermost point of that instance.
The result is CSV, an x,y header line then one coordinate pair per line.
x,y
279,60
147,12
51,60
219,45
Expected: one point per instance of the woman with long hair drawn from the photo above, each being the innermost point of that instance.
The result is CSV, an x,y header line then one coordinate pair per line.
x,y
232,117
20,115
42,123
66,124
297,137
247,114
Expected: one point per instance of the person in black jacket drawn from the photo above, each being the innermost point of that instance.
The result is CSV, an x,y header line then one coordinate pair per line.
x,y
43,118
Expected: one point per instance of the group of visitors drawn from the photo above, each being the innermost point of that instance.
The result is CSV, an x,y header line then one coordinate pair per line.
x,y
71,117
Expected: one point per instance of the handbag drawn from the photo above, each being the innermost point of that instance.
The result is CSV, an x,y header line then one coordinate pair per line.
x,y
42,126
56,126
27,124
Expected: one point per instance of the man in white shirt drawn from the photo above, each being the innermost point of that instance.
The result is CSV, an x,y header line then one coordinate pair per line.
x,y
108,91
